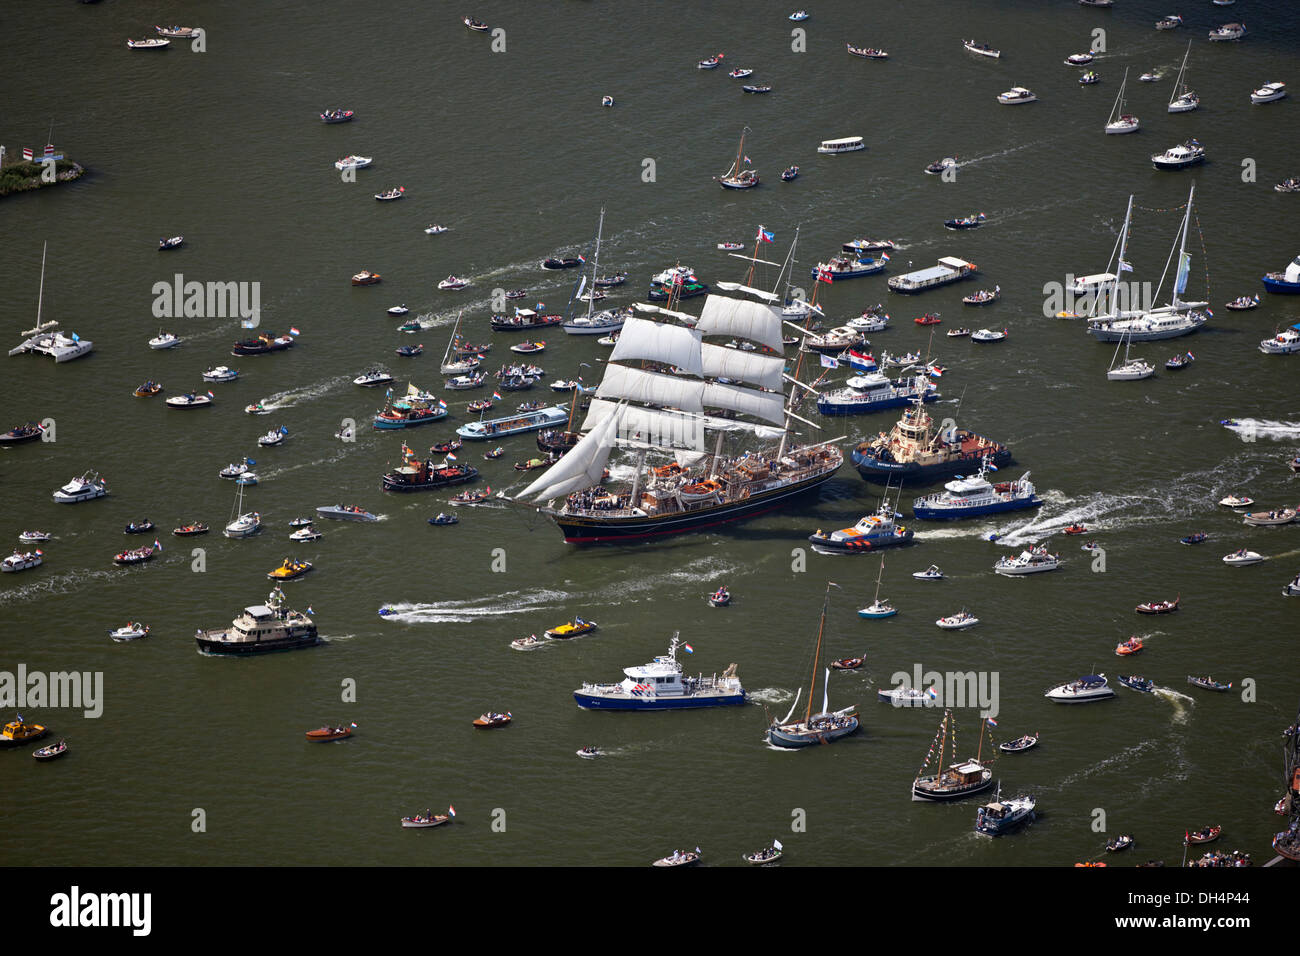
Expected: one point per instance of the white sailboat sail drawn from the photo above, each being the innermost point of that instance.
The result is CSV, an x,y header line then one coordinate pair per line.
x,y
655,388
648,427
644,340
580,468
720,362
736,317
826,692
748,401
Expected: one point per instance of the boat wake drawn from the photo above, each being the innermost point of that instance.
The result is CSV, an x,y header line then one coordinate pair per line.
x,y
1181,703
473,609
60,584
294,396
1248,429
1004,152
275,472
771,695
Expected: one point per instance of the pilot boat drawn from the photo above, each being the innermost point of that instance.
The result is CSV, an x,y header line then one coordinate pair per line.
x,y
871,533
1088,688
660,685
970,497
820,728
261,628
575,628
958,780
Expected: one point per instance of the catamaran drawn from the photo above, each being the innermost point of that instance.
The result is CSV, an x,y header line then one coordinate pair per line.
x,y
57,345
820,728
641,406
1121,122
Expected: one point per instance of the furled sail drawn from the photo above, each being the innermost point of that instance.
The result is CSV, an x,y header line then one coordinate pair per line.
x,y
764,370
642,339
737,317
580,468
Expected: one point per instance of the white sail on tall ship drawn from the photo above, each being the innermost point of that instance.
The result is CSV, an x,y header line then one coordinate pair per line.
x,y
1177,318
665,388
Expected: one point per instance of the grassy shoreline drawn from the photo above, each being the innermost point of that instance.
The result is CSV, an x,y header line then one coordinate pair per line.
x,y
19,176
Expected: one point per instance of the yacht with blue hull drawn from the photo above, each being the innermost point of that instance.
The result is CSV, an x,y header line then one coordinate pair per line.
x,y
874,392
975,496
660,685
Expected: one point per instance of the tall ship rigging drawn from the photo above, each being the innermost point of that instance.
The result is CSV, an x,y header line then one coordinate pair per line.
x,y
662,385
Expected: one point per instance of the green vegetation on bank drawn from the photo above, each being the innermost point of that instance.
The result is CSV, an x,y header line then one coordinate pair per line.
x,y
22,175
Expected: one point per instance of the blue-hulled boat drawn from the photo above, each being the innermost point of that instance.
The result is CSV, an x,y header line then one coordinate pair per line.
x,y
660,685
1284,283
1144,684
915,451
871,533
874,392
970,497
847,267
1003,816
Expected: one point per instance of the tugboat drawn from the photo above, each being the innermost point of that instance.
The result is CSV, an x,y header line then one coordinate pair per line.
x,y
820,728
1002,816
261,628
959,780
971,497
914,451
871,533
659,685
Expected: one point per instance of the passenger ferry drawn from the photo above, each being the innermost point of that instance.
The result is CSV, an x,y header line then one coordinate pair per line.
x,y
260,629
1030,561
873,393
549,417
660,685
848,144
970,497
948,269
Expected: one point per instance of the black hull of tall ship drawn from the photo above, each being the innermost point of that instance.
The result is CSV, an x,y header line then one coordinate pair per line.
x,y
581,529
215,647
879,472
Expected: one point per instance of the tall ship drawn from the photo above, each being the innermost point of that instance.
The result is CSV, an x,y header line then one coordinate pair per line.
x,y
975,496
664,389
824,726
1164,322
660,685
915,451
260,629
960,779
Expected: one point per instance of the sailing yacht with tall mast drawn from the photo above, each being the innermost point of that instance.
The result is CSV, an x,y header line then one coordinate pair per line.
x,y
819,728
60,347
242,524
738,177
660,385
1183,100
1132,370
878,608
605,321
1164,322
1121,122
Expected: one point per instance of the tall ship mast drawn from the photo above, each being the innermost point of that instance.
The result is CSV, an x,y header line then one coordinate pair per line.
x,y
671,393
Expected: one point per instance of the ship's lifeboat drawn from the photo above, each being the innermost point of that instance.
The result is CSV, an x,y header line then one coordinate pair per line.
x,y
699,491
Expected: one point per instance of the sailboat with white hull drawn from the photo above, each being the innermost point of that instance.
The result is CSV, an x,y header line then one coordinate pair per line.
x,y
643,406
738,177
605,321
1164,322
242,524
823,727
1121,122
1183,100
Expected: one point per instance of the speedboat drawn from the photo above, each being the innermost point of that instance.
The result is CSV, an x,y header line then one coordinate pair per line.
x,y
132,631
1196,538
307,533
607,100
1246,302
711,63
1268,93
1002,816
1130,647
328,733
88,486
1242,557
983,296
1015,96
409,351
345,513
1144,685
530,643
152,43
932,573
235,469
453,283
435,229
757,89
366,277
739,74
220,373
799,15
1292,588
31,537
1079,59
1088,688
1188,154
956,622
966,222
398,310
475,24
848,663
1233,501
20,434
903,696
176,32
164,340
373,377
983,49
189,400
353,162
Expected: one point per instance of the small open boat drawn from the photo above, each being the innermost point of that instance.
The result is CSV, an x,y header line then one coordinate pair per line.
x,y
1180,361
1159,607
866,52
1076,529
590,752
769,854
289,569
410,351
131,631
930,318
790,173
956,622
190,530
1204,835
337,116
139,527
172,243
52,751
1127,648
679,858
148,389
529,643
720,598
152,43
441,518
1122,842
1243,303
932,573
1242,557
388,195
30,537
1196,538
1020,744
1208,683
1133,682
848,663
422,821
493,719
321,734
475,24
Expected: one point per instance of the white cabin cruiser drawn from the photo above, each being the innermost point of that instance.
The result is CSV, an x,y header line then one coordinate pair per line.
x,y
132,631
1268,93
354,162
164,340
220,373
903,697
1030,561
956,622
1087,688
1015,96
932,573
88,486
659,685
22,560
1188,154
1285,342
